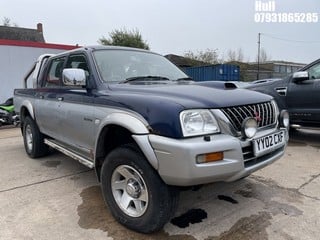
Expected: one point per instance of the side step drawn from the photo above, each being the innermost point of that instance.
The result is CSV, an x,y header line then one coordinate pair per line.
x,y
55,145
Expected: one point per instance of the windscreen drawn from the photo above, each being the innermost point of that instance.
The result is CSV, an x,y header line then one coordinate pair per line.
x,y
120,65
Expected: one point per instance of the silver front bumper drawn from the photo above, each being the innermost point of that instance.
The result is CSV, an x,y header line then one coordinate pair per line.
x,y
177,159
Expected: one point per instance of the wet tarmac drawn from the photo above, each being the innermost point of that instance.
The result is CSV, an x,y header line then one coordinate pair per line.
x,y
57,198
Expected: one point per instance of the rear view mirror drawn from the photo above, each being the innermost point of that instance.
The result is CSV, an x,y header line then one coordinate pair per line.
x,y
300,76
73,77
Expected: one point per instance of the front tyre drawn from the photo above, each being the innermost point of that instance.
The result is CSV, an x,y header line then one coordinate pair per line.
x,y
136,195
33,139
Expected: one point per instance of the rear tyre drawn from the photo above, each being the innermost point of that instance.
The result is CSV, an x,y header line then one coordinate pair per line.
x,y
136,195
33,139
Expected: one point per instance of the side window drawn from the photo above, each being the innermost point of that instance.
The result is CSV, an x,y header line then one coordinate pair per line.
x,y
314,71
55,73
78,61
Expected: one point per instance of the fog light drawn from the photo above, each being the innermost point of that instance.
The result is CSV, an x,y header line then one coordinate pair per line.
x,y
284,119
210,157
249,128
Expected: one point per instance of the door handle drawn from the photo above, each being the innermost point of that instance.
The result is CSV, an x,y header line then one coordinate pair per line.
x,y
60,99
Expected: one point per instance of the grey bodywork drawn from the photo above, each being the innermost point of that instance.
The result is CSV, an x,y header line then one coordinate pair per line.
x,y
76,128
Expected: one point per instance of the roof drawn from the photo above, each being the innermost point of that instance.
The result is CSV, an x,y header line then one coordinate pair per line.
x,y
22,34
287,63
279,62
184,62
5,42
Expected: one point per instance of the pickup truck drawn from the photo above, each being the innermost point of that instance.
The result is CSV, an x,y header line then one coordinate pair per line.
x,y
145,127
299,93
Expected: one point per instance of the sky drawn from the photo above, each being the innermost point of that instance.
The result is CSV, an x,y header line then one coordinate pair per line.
x,y
177,26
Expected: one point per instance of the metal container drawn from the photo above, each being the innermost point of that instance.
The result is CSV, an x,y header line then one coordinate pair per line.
x,y
220,72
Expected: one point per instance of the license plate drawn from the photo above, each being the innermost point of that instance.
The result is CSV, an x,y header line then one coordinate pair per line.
x,y
268,143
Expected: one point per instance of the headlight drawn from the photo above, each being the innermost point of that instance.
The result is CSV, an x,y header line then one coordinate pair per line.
x,y
284,119
198,122
249,127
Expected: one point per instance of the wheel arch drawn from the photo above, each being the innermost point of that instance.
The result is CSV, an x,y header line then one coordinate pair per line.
x,y
120,129
26,110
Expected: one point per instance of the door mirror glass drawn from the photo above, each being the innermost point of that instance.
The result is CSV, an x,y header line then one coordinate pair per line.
x,y
300,76
74,77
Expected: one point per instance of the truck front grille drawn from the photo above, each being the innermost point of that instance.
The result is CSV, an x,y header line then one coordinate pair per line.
x,y
264,113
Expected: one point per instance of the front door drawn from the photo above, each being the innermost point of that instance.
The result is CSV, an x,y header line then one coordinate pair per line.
x,y
303,98
77,113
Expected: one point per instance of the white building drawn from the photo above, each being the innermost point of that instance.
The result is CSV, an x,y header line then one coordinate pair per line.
x,y
19,49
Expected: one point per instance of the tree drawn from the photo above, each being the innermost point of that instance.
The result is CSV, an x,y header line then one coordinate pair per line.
x,y
7,22
124,37
235,56
209,56
231,56
264,57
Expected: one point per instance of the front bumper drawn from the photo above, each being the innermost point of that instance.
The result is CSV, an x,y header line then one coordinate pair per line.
x,y
177,158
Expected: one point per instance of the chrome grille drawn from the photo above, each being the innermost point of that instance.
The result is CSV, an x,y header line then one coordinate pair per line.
x,y
264,113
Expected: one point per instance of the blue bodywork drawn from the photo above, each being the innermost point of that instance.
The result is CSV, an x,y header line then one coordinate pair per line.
x,y
159,103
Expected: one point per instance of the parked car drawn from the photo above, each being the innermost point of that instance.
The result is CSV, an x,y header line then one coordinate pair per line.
x,y
299,93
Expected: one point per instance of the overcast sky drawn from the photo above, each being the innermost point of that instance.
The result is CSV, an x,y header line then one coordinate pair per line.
x,y
174,26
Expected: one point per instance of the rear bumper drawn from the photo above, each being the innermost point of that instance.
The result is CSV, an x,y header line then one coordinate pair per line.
x,y
177,159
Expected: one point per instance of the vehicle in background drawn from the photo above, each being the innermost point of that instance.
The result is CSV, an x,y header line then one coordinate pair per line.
x,y
299,93
267,80
7,113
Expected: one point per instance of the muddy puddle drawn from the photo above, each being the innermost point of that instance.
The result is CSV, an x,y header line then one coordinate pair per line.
x,y
192,216
253,227
95,215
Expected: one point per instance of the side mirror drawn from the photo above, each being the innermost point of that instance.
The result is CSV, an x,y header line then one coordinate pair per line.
x,y
73,77
300,76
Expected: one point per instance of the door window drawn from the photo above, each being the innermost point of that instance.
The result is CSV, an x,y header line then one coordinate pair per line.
x,y
314,71
78,61
55,73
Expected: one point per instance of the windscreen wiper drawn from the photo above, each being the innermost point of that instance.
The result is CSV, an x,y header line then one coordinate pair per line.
x,y
185,79
145,78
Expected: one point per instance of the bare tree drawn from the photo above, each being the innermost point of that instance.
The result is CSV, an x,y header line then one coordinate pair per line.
x,y
231,55
7,22
264,57
209,56
240,56
235,55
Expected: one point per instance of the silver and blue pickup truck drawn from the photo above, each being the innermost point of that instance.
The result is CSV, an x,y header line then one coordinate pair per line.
x,y
146,128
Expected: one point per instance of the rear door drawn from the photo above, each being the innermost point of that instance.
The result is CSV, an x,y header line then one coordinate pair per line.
x,y
47,99
303,98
